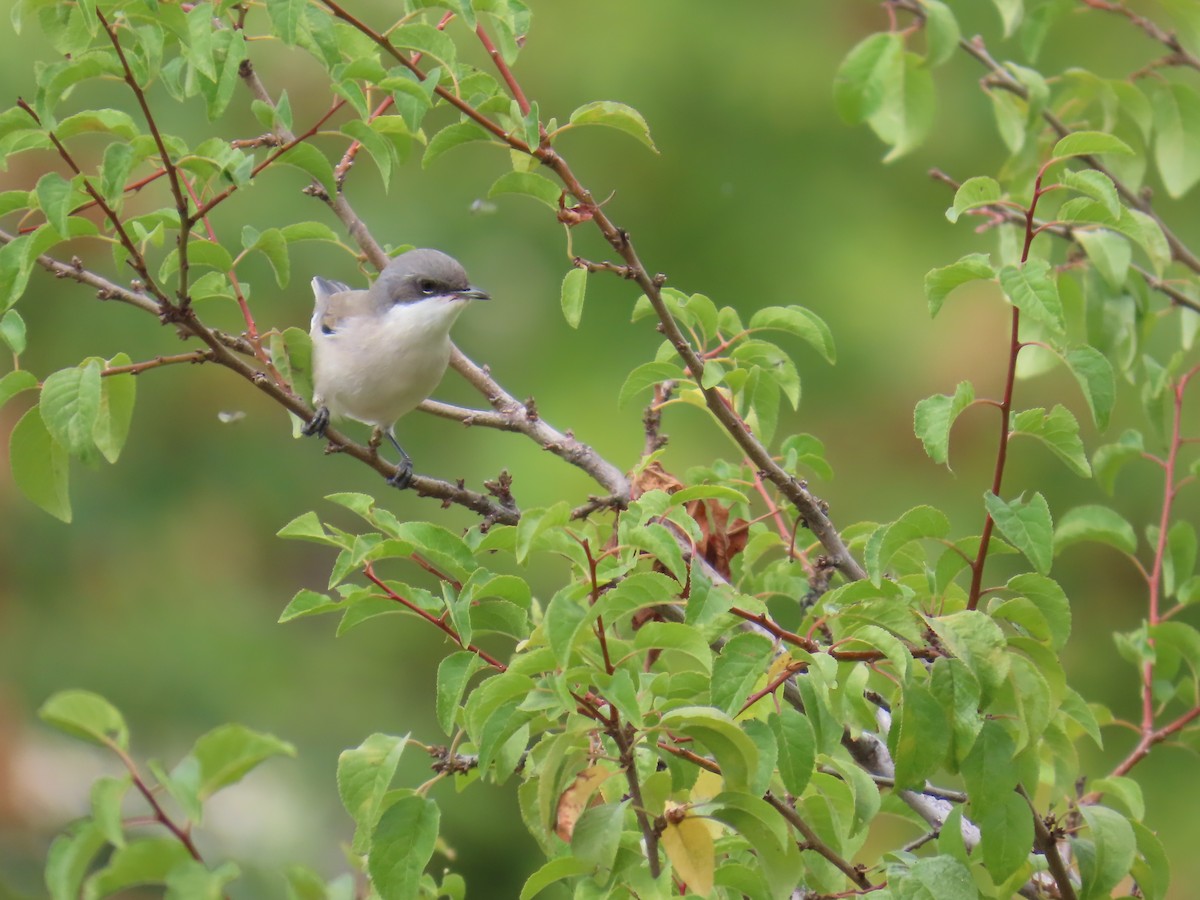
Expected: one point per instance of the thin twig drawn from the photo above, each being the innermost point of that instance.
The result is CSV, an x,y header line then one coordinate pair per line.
x,y
812,841
195,356
441,624
181,204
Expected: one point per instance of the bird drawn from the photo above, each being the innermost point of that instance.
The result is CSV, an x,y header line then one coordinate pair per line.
x,y
378,353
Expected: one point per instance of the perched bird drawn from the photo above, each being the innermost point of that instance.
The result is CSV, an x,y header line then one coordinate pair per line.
x,y
378,353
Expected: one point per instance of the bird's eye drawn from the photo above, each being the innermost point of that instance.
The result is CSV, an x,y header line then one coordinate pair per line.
x,y
427,285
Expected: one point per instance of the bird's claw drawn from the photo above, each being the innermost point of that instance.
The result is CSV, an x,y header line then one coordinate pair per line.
x,y
317,424
404,474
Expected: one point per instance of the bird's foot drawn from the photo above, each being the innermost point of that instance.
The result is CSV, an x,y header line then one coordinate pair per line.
x,y
317,424
404,474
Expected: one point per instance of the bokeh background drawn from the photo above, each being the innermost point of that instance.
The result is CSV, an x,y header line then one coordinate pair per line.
x,y
163,593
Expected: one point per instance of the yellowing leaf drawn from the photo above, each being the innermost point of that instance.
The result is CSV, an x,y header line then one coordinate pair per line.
x,y
574,800
689,846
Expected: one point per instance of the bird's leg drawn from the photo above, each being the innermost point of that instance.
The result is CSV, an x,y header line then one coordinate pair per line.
x,y
317,424
404,470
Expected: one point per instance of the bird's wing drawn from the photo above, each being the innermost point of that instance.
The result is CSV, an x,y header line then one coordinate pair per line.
x,y
334,301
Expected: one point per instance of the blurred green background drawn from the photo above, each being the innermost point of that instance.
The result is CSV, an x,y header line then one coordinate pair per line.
x,y
163,594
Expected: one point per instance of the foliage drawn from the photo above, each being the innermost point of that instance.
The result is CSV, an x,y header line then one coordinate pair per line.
x,y
726,691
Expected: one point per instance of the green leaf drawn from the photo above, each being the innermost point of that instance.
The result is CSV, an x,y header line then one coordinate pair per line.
x,y
1033,289
1145,231
805,450
1095,184
88,716
678,637
401,845
1094,523
1107,854
117,395
735,753
958,693
12,331
453,674
1094,373
708,492
70,858
1059,431
440,547
978,641
1180,558
973,193
574,287
1089,143
1109,252
1177,136
111,121
308,603
1152,871
905,114
614,115
1110,458
382,151
990,769
554,871
427,40
797,748
307,158
942,33
193,880
224,755
940,282
138,862
934,416
741,663
1006,835
935,878
535,522
56,197
661,545
287,17
920,739
450,137
16,382
565,617
531,184
1027,525
363,777
919,522
309,231
597,834
307,527
862,78
1050,600
273,246
801,322
39,465
647,375
1124,790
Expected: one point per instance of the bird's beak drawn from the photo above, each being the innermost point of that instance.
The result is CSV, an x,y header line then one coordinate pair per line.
x,y
473,293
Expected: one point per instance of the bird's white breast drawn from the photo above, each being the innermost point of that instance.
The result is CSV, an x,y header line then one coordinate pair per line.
x,y
377,368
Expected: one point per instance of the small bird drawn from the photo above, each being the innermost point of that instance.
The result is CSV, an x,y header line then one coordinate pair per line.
x,y
378,353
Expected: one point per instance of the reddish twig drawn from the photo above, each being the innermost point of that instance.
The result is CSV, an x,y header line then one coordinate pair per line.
x,y
181,204
369,571
224,195
1014,349
135,256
